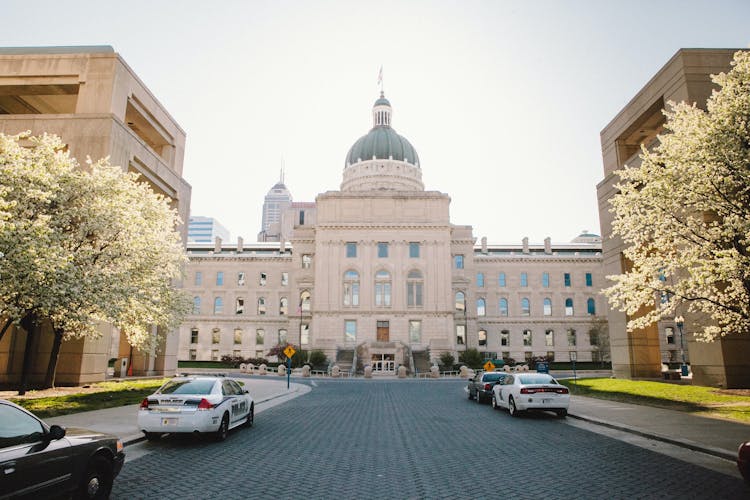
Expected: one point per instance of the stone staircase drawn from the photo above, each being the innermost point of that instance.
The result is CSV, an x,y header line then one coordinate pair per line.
x,y
345,359
421,361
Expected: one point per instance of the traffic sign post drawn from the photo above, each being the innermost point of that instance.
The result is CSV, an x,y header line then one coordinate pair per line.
x,y
573,356
289,352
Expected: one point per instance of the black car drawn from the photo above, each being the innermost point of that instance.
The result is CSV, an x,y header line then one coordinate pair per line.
x,y
41,461
480,385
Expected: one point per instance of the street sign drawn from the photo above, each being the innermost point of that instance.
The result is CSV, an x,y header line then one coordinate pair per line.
x,y
289,351
489,366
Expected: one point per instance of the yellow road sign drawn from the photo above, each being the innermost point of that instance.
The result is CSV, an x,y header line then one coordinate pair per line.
x,y
289,351
489,366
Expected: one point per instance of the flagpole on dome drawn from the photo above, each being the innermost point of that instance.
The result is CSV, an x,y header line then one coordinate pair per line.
x,y
380,80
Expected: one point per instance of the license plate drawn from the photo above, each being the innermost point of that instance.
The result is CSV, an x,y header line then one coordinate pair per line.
x,y
169,421
544,401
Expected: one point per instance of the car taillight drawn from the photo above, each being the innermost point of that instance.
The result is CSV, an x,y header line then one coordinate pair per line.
x,y
564,390
144,404
487,387
204,405
527,390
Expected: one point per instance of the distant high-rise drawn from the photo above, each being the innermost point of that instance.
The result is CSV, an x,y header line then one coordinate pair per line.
x,y
275,203
205,229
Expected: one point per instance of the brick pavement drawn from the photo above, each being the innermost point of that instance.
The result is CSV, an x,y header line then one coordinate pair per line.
x,y
410,439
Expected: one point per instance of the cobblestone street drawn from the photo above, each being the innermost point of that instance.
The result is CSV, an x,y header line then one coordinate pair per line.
x,y
410,439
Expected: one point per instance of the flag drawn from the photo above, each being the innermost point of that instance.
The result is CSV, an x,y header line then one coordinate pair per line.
x,y
380,76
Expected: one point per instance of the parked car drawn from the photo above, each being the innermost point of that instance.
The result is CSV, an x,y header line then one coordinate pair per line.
x,y
196,404
520,392
480,386
39,461
743,461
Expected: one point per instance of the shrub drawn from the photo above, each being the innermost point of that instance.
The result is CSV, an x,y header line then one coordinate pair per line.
x,y
471,358
318,359
447,360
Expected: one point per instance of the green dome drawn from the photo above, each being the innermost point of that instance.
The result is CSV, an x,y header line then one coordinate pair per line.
x,y
382,101
382,142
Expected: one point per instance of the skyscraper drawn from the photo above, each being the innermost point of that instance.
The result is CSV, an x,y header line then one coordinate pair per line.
x,y
275,203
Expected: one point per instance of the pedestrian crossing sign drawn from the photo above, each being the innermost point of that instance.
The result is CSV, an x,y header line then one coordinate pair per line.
x,y
289,351
489,366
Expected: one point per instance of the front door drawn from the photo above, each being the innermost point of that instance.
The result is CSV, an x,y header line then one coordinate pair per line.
x,y
383,334
382,363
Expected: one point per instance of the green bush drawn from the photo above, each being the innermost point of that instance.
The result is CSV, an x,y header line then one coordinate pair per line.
x,y
471,358
318,359
447,361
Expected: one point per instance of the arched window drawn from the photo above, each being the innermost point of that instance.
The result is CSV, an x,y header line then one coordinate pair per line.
x,y
382,289
482,336
283,306
481,307
568,307
351,288
414,287
460,301
196,305
547,307
525,307
261,305
502,307
304,301
591,306
218,305
549,338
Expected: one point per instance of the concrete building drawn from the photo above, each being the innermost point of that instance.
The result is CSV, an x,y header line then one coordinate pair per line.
x,y
205,229
685,77
94,101
377,274
277,201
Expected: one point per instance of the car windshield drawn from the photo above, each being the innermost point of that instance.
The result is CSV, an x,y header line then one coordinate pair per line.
x,y
188,386
537,378
493,377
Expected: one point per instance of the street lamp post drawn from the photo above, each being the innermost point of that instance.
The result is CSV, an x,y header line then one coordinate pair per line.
x,y
680,322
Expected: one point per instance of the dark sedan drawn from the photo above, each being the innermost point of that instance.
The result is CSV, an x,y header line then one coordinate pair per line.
x,y
480,386
40,461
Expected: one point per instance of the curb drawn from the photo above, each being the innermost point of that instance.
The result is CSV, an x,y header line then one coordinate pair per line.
x,y
683,443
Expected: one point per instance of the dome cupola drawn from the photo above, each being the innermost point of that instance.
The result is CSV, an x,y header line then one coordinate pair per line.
x,y
382,159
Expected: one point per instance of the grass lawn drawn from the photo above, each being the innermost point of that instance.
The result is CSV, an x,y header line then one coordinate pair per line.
x,y
706,401
93,397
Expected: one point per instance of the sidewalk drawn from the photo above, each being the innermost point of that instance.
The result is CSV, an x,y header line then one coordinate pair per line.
x,y
122,421
719,438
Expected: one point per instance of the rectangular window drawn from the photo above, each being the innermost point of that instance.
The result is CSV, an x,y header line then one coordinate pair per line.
x,y
263,279
589,280
413,250
415,331
545,280
382,250
351,250
236,353
260,336
571,337
501,280
193,354
458,261
215,355
240,306
258,353
198,278
284,279
215,336
196,305
506,354
482,337
480,280
414,294
549,338
304,334
306,261
669,331
301,217
220,278
527,338
566,279
193,335
218,305
261,306
594,338
350,330
524,279
238,335
505,339
461,334
282,336
240,279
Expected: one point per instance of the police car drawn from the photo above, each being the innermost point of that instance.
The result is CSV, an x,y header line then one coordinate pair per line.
x,y
196,404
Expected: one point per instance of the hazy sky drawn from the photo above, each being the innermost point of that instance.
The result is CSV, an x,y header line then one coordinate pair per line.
x,y
503,100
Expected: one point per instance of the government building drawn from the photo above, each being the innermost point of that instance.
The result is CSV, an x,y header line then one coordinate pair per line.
x,y
377,274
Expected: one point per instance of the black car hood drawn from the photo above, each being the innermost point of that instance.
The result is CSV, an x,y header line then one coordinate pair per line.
x,y
78,435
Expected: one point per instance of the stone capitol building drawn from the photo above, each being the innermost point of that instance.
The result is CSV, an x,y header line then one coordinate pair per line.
x,y
377,274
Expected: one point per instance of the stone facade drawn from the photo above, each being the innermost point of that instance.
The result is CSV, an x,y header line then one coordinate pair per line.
x,y
99,107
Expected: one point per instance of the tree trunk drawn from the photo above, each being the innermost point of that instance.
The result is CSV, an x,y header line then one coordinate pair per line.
x,y
5,328
29,323
49,378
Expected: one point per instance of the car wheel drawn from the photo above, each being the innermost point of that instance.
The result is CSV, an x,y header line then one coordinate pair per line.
x,y
512,407
223,430
250,417
494,403
97,483
153,436
562,413
470,396
479,397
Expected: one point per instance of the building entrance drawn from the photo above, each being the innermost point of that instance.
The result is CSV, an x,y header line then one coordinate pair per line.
x,y
383,331
383,363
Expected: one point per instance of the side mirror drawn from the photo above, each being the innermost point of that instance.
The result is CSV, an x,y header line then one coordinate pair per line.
x,y
56,432
246,391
